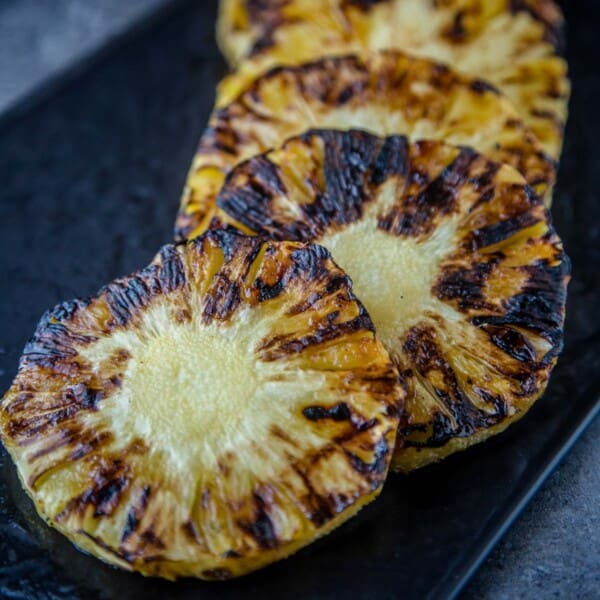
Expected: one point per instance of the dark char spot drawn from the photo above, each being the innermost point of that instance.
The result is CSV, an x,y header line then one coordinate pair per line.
x,y
379,464
480,86
338,412
498,232
512,342
261,528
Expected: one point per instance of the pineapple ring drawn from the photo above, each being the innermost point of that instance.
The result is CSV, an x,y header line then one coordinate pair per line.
x,y
139,419
385,93
512,44
453,256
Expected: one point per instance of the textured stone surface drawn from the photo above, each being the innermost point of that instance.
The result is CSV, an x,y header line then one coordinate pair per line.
x,y
553,550
60,170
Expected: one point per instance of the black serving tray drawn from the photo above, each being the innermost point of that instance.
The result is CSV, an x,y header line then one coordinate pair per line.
x,y
90,174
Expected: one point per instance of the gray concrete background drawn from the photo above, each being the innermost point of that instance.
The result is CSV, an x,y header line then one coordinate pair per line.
x,y
552,550
40,37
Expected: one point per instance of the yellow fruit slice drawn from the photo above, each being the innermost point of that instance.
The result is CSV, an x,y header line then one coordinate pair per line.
x,y
207,415
384,93
453,256
511,44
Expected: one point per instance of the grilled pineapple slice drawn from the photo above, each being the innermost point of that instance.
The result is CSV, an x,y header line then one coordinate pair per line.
x,y
385,92
512,44
207,415
453,256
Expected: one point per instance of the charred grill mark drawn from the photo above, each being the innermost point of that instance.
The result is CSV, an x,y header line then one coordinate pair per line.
x,y
480,86
340,283
416,216
483,183
220,136
309,262
337,412
106,498
392,160
354,163
359,425
442,432
84,442
185,224
136,513
499,403
28,427
319,509
551,116
346,94
421,348
456,33
261,528
191,532
465,286
29,422
234,244
83,397
364,5
502,230
279,347
149,539
279,433
172,271
108,484
268,292
125,298
53,340
373,470
528,382
264,12
248,203
64,311
348,157
109,478
225,292
88,443
540,306
128,558
266,41
512,342
222,300
18,404
120,356
66,439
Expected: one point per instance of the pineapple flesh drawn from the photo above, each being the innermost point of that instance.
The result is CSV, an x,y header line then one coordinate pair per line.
x,y
386,92
453,256
207,415
512,44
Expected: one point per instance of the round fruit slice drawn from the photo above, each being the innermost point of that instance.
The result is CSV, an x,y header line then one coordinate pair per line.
x,y
513,44
453,256
207,415
385,93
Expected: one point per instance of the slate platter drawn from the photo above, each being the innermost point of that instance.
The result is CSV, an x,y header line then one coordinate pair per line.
x,y
91,174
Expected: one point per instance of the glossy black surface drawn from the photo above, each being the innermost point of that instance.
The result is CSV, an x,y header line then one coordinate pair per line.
x,y
90,184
